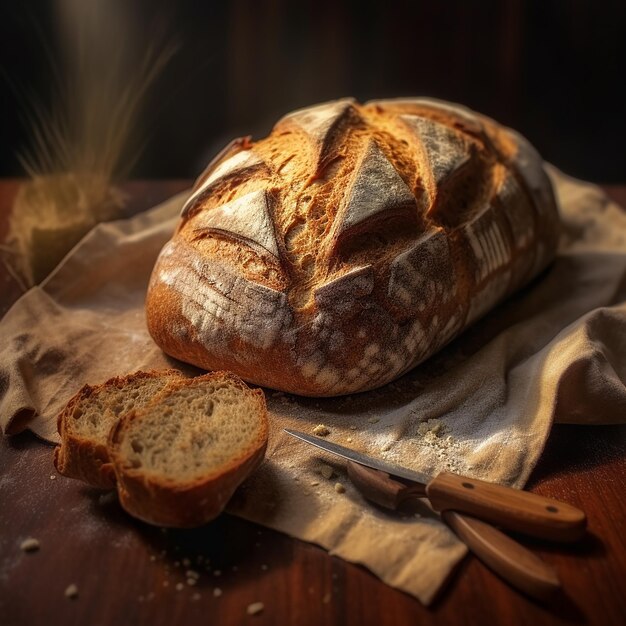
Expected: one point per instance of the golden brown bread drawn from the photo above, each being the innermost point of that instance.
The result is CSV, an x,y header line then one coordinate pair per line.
x,y
351,244
179,459
86,420
176,448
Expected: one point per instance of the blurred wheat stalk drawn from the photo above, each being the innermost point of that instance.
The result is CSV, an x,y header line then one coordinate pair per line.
x,y
85,138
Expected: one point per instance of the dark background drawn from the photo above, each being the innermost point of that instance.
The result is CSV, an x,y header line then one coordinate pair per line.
x,y
555,70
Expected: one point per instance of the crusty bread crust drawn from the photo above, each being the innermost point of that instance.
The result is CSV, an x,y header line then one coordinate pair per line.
x,y
351,244
168,501
84,457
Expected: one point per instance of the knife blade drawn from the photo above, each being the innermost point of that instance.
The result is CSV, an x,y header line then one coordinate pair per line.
x,y
362,459
514,509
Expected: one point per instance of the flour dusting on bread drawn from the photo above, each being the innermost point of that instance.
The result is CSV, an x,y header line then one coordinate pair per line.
x,y
396,223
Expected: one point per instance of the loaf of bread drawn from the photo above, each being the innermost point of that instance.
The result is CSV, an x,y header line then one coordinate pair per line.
x,y
351,244
179,459
85,422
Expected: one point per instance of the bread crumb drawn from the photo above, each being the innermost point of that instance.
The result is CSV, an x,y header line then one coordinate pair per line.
x,y
321,431
53,477
314,483
373,420
166,583
217,592
186,562
30,545
386,447
432,427
349,439
71,591
264,567
326,471
152,558
217,572
179,586
339,488
255,608
190,573
192,581
352,427
448,450
327,597
196,597
108,498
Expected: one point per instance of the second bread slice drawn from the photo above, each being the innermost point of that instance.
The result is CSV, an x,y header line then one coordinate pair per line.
x,y
179,459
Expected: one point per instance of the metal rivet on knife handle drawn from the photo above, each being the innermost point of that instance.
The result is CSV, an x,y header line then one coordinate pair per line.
x,y
514,509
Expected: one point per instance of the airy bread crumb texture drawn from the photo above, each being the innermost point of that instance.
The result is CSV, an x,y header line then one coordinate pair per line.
x,y
99,408
87,419
192,430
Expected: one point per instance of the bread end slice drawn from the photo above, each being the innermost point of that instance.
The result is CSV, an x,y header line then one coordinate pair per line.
x,y
179,459
86,420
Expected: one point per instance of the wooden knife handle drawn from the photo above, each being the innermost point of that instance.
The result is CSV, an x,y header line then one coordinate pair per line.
x,y
380,488
514,509
506,557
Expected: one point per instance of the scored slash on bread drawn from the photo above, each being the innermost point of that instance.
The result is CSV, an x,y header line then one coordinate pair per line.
x,y
86,420
351,244
176,448
179,459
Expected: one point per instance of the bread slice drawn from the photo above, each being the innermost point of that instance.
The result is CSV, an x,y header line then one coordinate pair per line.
x,y
85,423
179,459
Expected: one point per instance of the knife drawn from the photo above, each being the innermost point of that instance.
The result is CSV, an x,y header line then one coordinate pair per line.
x,y
509,559
514,509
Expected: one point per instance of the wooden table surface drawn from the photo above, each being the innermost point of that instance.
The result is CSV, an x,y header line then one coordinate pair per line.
x,y
130,573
